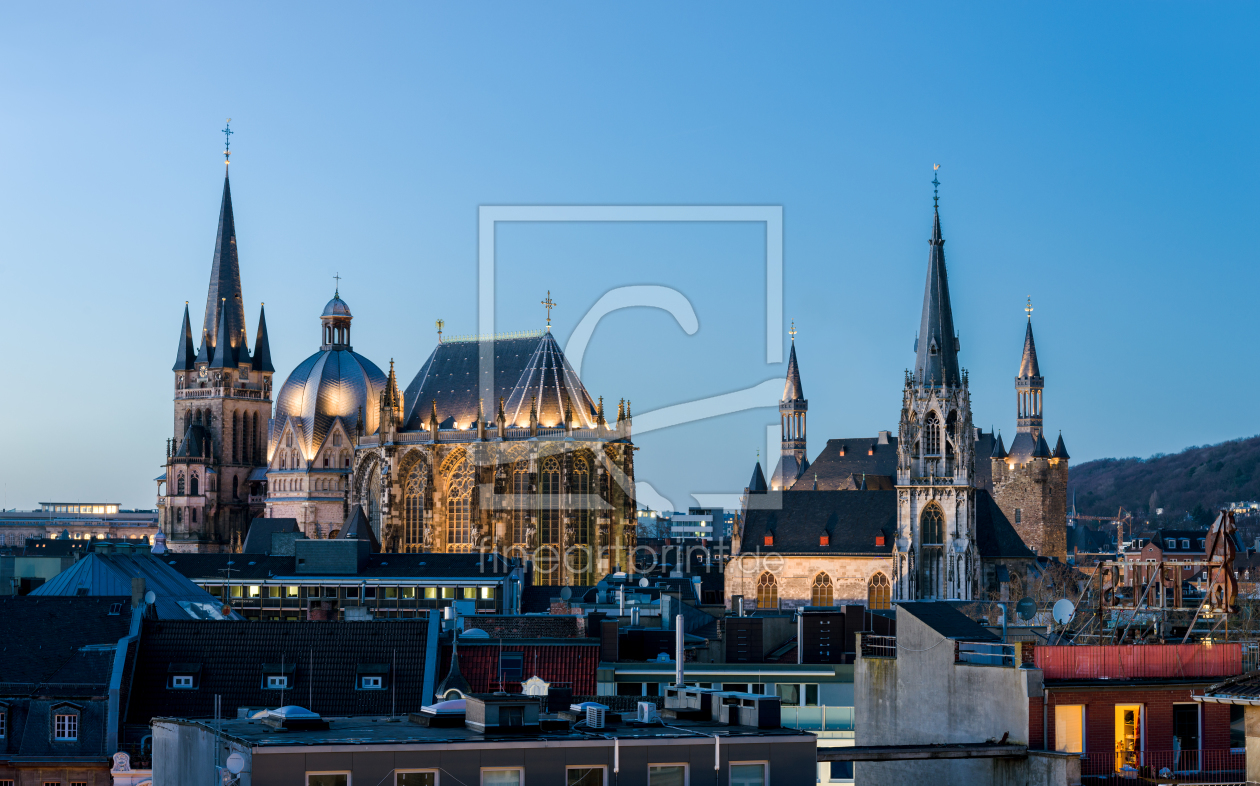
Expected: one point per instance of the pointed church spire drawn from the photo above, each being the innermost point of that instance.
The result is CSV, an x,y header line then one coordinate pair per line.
x,y
1028,362
262,348
936,355
185,356
224,356
757,485
225,277
792,389
999,450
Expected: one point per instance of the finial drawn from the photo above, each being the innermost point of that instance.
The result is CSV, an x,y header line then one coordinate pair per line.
x,y
936,185
549,304
227,142
338,278
1028,309
792,330
439,324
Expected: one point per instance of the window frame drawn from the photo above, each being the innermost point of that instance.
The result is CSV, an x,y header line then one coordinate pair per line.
x,y
176,685
363,682
765,769
685,765
437,774
1084,736
306,777
267,678
481,778
603,768
72,719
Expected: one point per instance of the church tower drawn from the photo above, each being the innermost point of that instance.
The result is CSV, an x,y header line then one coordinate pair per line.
x,y
935,554
210,491
792,409
1030,481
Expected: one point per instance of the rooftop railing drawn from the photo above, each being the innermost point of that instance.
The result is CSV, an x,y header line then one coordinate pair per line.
x,y
1139,661
878,646
985,654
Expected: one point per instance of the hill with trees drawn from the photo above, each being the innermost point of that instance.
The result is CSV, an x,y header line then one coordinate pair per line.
x,y
1192,484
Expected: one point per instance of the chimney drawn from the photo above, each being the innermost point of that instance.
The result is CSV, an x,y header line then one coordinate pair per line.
x,y
678,650
137,591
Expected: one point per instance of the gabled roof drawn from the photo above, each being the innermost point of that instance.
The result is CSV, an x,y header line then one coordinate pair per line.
x,y
110,575
258,538
223,299
792,388
946,620
324,658
193,443
852,519
836,472
186,354
45,634
1028,361
757,485
936,350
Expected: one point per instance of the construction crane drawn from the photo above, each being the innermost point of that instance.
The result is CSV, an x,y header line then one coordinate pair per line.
x,y
1120,519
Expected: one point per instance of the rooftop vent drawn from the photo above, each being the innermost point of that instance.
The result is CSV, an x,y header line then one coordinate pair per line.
x,y
595,715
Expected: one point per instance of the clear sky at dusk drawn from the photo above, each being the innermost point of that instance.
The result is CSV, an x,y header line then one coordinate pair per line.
x,y
1101,158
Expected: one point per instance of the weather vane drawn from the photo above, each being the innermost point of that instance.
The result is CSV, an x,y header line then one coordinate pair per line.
x,y
338,277
549,304
439,324
1028,309
936,185
792,330
227,141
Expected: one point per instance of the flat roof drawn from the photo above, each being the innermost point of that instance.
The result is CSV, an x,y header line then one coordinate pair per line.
x,y
380,730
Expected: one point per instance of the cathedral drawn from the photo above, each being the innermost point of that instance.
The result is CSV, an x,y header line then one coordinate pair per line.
x,y
940,511
495,445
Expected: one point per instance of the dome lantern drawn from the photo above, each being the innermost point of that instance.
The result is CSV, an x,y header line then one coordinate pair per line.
x,y
335,323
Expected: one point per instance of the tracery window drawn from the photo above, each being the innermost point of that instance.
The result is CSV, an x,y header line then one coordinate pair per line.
x,y
821,593
932,526
459,507
932,551
374,499
236,445
932,434
580,486
767,592
522,505
193,485
413,508
179,486
549,491
878,592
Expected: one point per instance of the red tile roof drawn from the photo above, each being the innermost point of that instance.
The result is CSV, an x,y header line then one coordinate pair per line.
x,y
565,664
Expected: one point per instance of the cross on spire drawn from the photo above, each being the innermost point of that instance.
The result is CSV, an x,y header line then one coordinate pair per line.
x,y
1028,309
338,278
549,304
936,185
227,141
792,330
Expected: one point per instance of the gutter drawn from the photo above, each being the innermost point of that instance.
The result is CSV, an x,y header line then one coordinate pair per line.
x,y
1227,700
116,676
430,657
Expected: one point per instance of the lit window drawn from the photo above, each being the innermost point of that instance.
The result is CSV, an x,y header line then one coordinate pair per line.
x,y
291,591
470,593
448,592
181,681
391,593
66,727
487,593
254,590
430,593
370,683
418,778
273,592
277,681
236,590
1069,728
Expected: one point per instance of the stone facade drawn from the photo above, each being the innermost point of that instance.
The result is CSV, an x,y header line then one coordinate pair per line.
x,y
1033,496
850,579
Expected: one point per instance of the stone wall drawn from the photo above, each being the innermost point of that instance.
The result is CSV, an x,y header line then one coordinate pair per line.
x,y
1038,490
794,576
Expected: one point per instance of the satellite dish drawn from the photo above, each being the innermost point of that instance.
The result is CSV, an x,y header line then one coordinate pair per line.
x,y
1063,611
643,582
235,763
566,593
1026,608
150,598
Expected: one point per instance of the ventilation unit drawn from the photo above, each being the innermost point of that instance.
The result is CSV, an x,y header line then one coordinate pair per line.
x,y
647,712
595,715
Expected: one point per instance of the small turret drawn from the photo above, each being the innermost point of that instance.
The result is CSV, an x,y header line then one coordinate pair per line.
x,y
186,355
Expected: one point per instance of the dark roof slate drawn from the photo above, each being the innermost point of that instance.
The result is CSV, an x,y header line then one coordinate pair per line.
x,y
792,388
946,620
1028,361
852,520
43,636
186,354
995,537
110,575
1060,450
224,294
936,349
258,538
262,347
358,528
837,473
757,484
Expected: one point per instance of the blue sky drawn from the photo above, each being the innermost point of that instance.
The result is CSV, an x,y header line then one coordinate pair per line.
x,y
1098,157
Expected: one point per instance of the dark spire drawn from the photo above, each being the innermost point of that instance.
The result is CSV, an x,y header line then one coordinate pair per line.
x,y
792,390
999,450
186,355
1028,362
206,353
1043,448
262,349
1060,452
224,356
225,277
936,356
758,483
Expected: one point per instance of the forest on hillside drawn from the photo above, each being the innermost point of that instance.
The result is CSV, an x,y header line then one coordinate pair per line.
x,y
1194,483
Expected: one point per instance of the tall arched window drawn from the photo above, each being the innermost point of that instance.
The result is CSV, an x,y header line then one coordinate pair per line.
x,y
951,425
258,441
932,434
459,507
767,592
345,459
282,461
549,491
192,481
374,499
288,439
878,592
931,551
580,486
522,504
235,488
179,486
820,594
236,430
414,489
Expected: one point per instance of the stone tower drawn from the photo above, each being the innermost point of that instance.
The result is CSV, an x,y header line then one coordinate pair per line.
x,y
1030,481
935,554
792,410
210,490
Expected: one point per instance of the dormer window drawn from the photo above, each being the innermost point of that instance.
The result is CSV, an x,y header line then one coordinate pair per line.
x,y
769,540
277,681
371,676
1202,544
824,539
182,681
1185,543
370,683
1172,542
66,727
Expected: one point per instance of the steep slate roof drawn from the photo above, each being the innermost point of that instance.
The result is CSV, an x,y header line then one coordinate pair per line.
x,y
995,537
258,538
232,657
561,662
792,388
193,443
936,350
946,620
262,347
186,353
549,380
852,519
201,567
1028,361
224,294
1023,447
43,635
110,575
757,484
837,473
786,473
358,528
1060,450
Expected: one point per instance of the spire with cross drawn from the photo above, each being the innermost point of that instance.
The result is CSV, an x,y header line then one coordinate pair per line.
x,y
1028,309
227,141
936,185
549,304
337,277
792,331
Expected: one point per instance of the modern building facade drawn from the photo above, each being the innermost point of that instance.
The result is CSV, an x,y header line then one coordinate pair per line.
x,y
78,521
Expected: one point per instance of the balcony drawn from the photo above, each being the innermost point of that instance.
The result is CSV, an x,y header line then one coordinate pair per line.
x,y
1139,661
1223,765
222,392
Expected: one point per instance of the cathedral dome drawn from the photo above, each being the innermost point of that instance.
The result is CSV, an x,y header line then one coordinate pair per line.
x,y
336,308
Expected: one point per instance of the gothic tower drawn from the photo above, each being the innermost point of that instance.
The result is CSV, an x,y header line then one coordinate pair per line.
x,y
935,554
792,410
210,490
1030,481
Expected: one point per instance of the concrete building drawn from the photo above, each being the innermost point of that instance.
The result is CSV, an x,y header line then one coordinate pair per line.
x,y
77,521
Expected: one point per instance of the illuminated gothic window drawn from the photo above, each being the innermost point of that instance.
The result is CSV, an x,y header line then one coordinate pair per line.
x,y
522,505
878,592
459,507
931,553
821,595
413,508
932,526
549,491
374,499
932,434
581,489
767,592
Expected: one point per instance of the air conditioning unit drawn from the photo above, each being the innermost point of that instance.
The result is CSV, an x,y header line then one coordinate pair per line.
x,y
595,715
647,712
